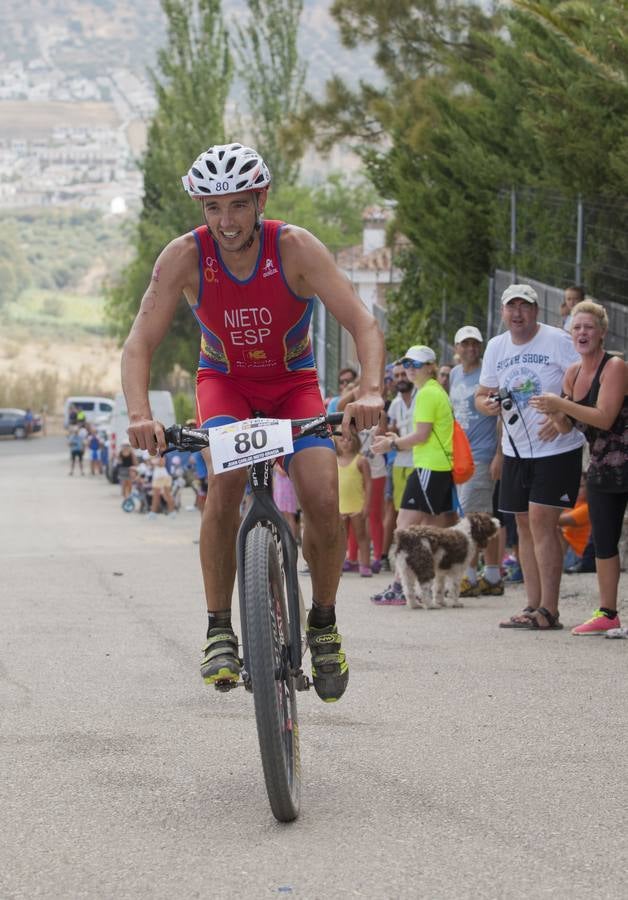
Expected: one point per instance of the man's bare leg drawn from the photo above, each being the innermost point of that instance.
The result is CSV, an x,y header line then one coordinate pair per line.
x,y
219,527
543,522
527,561
314,473
492,553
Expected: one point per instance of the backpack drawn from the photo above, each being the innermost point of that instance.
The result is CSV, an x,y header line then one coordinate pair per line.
x,y
463,466
461,459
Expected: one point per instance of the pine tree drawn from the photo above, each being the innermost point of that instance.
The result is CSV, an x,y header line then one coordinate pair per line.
x,y
273,76
192,84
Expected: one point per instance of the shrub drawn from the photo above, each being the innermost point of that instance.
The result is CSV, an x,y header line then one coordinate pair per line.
x,y
39,391
52,306
87,381
184,407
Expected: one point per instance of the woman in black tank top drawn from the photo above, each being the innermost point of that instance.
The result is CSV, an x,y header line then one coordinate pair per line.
x,y
595,401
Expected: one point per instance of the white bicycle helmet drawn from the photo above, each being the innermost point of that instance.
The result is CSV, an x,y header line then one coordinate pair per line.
x,y
226,169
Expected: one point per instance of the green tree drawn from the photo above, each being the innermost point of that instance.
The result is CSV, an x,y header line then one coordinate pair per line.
x,y
474,102
573,60
273,76
408,131
331,211
192,84
14,270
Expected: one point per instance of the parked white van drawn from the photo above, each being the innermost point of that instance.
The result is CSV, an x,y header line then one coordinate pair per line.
x,y
162,408
97,409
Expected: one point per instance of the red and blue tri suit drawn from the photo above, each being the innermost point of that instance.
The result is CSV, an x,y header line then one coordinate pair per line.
x,y
256,354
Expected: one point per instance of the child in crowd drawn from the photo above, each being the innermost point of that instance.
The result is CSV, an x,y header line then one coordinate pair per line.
x,y
93,445
285,498
162,488
76,444
354,483
575,528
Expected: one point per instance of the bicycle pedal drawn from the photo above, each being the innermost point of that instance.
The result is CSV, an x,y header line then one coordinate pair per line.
x,y
226,685
302,682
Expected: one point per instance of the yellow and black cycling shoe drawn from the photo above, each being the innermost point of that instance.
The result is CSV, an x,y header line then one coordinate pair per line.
x,y
220,657
330,670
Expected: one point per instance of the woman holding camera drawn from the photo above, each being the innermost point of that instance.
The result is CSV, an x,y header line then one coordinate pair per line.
x,y
594,401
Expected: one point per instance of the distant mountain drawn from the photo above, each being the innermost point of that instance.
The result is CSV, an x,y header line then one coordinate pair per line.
x,y
75,95
85,37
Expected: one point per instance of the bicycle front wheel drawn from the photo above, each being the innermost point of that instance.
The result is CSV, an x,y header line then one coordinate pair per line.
x,y
273,685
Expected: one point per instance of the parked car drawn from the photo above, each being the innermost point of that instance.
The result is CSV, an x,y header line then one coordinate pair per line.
x,y
13,421
97,409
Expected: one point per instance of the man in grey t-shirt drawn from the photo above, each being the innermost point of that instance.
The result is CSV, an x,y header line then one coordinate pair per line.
x,y
476,495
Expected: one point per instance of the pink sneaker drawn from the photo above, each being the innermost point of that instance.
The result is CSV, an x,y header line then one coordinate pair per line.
x,y
599,623
365,572
349,566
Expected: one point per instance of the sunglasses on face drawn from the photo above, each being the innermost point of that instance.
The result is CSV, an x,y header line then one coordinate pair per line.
x,y
411,364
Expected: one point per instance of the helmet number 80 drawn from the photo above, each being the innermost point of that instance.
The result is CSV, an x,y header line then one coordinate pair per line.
x,y
221,186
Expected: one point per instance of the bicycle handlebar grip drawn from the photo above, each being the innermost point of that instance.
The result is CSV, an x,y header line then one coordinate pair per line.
x,y
173,434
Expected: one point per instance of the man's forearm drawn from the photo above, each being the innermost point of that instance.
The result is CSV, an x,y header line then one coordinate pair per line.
x,y
135,366
369,344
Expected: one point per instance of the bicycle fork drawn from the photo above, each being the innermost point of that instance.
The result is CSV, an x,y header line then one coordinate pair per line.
x,y
263,512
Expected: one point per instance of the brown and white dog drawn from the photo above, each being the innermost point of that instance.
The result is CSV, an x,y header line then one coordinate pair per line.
x,y
432,556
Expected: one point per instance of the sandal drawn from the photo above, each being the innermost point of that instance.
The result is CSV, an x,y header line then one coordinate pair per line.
x,y
521,620
552,621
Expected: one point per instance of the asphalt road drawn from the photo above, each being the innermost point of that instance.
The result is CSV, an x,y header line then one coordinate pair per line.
x,y
463,762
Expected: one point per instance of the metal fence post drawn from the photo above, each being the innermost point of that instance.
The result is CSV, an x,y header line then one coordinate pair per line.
x,y
513,232
490,311
579,241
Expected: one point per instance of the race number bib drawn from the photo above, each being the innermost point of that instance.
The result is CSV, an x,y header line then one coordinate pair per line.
x,y
252,440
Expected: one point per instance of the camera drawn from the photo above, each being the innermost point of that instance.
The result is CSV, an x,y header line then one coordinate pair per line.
x,y
504,397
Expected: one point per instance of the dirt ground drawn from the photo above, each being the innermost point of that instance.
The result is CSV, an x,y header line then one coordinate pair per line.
x,y
89,365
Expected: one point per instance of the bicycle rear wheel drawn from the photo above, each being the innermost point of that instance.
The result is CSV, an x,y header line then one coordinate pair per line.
x,y
273,685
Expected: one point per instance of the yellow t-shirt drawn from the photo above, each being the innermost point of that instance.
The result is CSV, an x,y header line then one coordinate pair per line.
x,y
351,488
432,405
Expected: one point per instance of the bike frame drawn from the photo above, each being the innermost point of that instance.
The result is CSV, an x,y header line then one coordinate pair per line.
x,y
264,511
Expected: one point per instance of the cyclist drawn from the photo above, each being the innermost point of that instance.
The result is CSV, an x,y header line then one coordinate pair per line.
x,y
251,284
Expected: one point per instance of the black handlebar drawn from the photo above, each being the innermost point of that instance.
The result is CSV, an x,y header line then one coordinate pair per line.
x,y
180,437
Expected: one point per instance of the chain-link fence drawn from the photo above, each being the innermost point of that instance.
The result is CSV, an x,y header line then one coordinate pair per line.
x,y
564,239
550,298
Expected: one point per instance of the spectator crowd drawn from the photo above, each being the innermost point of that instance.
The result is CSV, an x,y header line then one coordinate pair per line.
x,y
544,411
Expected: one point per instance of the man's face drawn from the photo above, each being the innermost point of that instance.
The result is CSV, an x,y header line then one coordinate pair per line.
x,y
520,318
442,376
344,380
469,351
232,219
400,379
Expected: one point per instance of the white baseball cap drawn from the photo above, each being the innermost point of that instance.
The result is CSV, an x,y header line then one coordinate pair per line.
x,y
519,292
466,332
418,355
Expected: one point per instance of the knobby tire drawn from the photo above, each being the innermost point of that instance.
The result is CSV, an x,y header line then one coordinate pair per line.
x,y
273,686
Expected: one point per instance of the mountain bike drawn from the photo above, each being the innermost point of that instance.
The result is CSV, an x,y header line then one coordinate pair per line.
x,y
271,606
